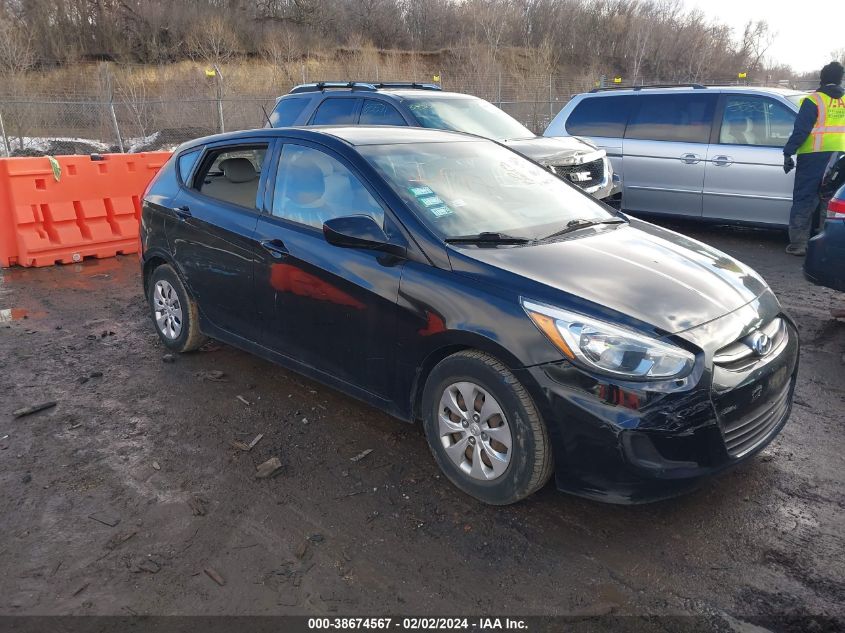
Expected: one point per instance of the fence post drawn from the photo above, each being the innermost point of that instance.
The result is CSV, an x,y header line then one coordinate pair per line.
x,y
499,90
106,77
113,116
219,88
6,147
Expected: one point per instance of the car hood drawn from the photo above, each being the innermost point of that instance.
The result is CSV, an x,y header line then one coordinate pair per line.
x,y
647,273
551,150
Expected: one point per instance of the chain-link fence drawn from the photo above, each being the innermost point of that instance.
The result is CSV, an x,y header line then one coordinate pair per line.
x,y
129,122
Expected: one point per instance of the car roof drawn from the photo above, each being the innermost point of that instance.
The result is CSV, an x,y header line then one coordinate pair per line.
x,y
356,135
785,92
429,94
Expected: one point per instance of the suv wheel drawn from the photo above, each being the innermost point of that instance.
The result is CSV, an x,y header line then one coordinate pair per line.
x,y
174,313
484,430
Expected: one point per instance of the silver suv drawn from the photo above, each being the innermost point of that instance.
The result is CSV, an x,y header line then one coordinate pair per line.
x,y
714,153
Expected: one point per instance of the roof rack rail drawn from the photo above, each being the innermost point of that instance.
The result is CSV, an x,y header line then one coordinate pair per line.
x,y
323,85
407,84
646,87
319,86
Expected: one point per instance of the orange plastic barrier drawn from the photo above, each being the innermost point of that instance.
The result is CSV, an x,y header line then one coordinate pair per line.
x,y
92,210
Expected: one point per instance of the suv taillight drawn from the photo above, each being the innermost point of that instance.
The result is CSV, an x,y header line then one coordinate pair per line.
x,y
836,209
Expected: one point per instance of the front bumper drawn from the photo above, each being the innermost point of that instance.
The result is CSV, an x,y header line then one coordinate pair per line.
x,y
605,183
619,443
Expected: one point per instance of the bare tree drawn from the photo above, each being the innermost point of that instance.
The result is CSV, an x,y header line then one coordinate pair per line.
x,y
212,40
16,50
756,40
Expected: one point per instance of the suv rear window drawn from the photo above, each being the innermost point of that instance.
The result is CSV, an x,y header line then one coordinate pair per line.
x,y
287,111
335,112
684,118
600,116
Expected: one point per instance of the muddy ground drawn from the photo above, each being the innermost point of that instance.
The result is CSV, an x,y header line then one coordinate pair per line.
x,y
146,445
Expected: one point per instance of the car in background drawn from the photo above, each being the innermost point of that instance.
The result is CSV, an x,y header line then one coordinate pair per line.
x,y
445,278
709,153
425,105
825,261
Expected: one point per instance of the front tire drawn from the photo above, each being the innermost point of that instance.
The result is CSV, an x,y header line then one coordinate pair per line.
x,y
174,314
484,430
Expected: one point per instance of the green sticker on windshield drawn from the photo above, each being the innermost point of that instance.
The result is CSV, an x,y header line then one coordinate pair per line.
x,y
440,210
431,201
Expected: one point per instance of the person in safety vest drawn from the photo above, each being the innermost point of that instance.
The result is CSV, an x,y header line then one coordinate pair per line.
x,y
819,131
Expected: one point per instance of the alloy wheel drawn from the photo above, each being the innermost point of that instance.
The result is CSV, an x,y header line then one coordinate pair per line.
x,y
168,310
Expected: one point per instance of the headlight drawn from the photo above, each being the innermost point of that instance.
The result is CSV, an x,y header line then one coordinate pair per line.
x,y
607,348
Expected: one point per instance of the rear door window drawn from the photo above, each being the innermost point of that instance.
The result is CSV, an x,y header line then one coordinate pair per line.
x,y
287,111
231,174
380,113
336,111
682,118
753,120
600,116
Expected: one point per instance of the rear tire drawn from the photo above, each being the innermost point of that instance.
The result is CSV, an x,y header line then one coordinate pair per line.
x,y
484,430
174,313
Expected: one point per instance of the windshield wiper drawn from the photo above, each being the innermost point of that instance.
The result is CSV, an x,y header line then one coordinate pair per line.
x,y
487,237
581,223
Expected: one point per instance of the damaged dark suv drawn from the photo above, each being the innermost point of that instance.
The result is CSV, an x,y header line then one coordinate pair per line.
x,y
446,279
576,160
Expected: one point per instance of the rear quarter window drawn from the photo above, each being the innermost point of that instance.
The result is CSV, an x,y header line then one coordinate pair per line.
x,y
682,118
186,164
600,116
287,111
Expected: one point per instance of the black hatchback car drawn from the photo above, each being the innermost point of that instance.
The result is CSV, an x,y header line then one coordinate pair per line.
x,y
444,278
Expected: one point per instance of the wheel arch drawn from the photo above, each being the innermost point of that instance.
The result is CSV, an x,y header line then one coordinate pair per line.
x,y
151,262
447,344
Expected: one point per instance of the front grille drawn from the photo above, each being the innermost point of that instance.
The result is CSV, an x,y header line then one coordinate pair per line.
x,y
586,175
746,433
741,352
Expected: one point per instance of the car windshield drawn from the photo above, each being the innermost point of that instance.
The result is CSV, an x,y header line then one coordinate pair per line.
x,y
474,187
467,114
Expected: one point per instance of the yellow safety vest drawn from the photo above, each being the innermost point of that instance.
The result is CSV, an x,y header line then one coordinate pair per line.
x,y
828,134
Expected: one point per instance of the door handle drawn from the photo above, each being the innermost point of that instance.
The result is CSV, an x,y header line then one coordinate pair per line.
x,y
691,159
276,248
722,161
183,212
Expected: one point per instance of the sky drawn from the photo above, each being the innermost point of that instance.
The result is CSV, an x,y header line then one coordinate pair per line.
x,y
803,40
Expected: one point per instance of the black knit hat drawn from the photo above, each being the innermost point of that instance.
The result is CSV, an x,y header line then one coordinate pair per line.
x,y
831,74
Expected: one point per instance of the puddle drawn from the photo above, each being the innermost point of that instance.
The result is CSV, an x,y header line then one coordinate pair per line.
x,y
93,274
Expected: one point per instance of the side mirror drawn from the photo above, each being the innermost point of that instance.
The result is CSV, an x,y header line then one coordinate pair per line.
x,y
359,231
